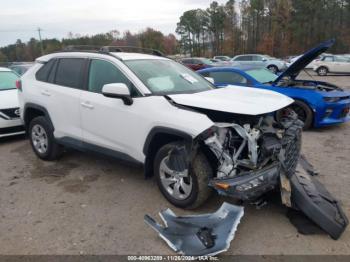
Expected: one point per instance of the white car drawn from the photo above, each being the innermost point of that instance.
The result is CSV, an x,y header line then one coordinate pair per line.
x,y
10,122
332,64
158,113
273,64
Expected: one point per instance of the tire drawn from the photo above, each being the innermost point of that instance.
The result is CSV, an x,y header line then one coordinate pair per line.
x,y
322,71
42,139
273,68
303,111
199,175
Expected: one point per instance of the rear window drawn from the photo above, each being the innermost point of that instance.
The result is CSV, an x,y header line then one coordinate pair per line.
x,y
8,80
44,71
69,72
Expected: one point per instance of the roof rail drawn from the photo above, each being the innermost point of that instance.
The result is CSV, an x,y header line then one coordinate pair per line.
x,y
109,49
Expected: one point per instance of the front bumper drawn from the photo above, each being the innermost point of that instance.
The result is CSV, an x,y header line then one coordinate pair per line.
x,y
248,186
333,113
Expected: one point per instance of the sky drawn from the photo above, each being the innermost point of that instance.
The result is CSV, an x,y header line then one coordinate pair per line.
x,y
19,19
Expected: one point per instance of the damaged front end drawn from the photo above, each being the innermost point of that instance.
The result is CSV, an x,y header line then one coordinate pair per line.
x,y
249,157
254,158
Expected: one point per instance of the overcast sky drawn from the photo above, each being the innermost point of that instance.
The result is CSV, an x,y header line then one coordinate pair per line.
x,y
19,19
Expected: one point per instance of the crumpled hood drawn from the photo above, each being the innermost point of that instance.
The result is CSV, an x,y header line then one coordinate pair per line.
x,y
235,99
8,99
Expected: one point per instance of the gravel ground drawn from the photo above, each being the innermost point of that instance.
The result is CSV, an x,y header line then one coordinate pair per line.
x,y
84,204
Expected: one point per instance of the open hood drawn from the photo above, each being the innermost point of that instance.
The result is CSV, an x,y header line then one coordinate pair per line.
x,y
235,99
295,68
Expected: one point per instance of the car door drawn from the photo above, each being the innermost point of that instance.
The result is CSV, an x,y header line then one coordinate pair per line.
x,y
60,94
329,62
258,60
342,64
107,122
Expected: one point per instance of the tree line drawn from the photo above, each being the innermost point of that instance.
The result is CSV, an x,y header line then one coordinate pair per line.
x,y
149,37
274,27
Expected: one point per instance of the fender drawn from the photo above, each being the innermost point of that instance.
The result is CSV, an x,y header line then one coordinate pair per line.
x,y
149,151
39,108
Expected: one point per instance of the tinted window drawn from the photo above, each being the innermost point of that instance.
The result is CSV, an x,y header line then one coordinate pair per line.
x,y
69,71
340,59
257,58
227,78
44,71
244,58
328,58
102,72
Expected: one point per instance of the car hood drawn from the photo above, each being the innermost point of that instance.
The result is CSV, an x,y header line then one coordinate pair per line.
x,y
8,99
235,99
295,68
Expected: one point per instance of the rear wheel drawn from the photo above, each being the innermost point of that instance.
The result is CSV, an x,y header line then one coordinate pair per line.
x,y
186,188
322,71
42,139
302,110
273,68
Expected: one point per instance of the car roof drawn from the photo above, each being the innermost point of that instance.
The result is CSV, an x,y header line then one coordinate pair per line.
x,y
119,55
5,69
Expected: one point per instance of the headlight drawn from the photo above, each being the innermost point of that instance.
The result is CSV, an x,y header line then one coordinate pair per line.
x,y
331,99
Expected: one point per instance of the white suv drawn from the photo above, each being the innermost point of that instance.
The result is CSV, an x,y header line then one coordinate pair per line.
x,y
154,111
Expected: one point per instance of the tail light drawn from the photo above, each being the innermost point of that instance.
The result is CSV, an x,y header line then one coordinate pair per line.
x,y
19,85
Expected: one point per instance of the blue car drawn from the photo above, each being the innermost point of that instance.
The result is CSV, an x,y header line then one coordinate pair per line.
x,y
317,103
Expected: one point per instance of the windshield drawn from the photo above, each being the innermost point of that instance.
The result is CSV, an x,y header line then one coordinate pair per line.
x,y
8,80
167,76
262,75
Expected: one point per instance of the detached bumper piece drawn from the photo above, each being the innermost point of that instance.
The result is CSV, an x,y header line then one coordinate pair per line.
x,y
199,235
312,198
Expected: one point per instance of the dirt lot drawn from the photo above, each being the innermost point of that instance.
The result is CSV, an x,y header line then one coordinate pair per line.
x,y
84,204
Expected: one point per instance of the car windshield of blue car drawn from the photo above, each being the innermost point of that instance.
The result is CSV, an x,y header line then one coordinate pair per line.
x,y
262,75
7,80
168,77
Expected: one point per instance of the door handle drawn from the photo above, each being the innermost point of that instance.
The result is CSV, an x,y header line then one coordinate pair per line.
x,y
87,105
45,93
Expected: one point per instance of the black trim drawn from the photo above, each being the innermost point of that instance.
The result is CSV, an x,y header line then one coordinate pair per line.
x,y
37,107
13,129
87,147
164,130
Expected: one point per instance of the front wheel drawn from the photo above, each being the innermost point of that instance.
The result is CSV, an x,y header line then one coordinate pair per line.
x,y
181,185
322,71
302,110
273,68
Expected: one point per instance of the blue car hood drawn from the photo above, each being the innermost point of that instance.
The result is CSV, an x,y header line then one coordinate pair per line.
x,y
295,68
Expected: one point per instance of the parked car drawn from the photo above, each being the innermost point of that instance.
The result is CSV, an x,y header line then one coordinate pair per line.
x,y
222,58
273,64
153,111
10,122
21,68
197,63
316,103
308,66
332,64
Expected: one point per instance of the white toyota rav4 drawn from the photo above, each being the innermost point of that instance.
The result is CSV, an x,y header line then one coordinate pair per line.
x,y
154,111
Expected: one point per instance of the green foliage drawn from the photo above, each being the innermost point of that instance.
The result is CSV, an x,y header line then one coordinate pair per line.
x,y
148,38
276,27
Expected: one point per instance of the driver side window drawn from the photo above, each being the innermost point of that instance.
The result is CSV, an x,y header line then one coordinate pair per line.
x,y
102,72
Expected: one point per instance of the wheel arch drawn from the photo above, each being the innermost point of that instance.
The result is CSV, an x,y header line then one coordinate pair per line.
x,y
31,111
157,137
309,105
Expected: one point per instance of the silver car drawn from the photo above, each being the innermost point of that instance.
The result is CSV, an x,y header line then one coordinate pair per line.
x,y
273,64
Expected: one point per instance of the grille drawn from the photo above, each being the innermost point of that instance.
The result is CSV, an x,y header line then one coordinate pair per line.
x,y
292,152
10,113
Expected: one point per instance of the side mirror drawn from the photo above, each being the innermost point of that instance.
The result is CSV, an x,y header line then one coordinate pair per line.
x,y
210,79
118,90
264,59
